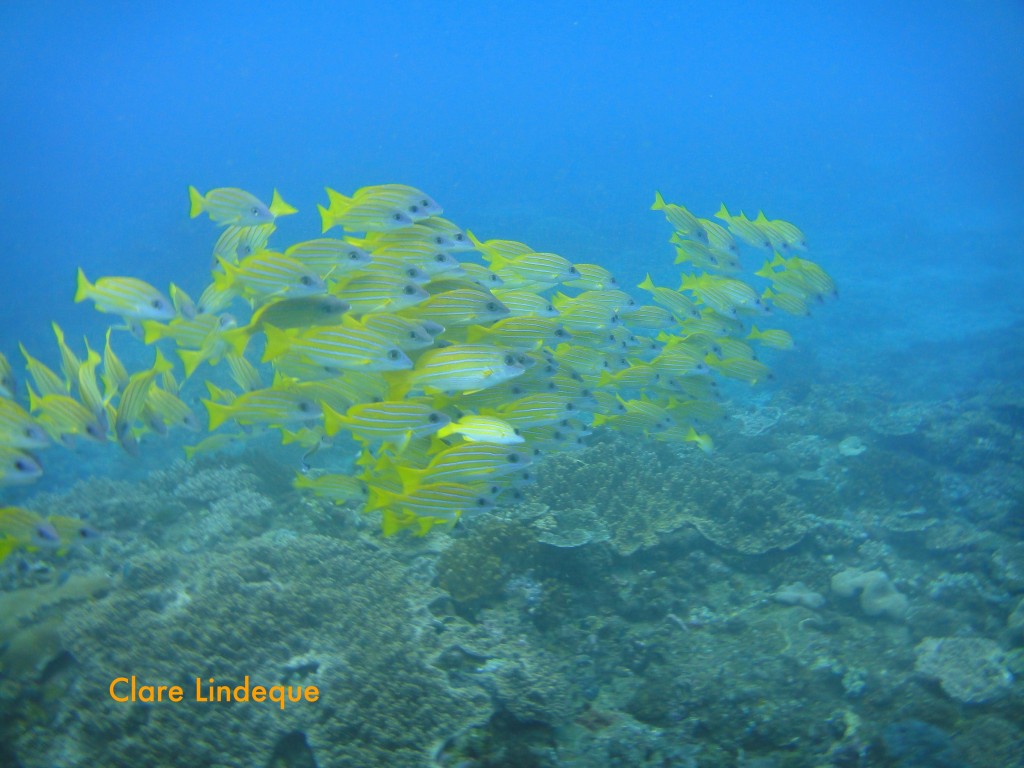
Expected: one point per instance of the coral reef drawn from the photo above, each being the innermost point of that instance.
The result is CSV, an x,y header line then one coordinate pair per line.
x,y
639,607
970,669
345,610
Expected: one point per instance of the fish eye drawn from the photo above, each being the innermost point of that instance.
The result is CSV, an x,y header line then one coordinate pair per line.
x,y
460,237
254,211
353,255
492,307
515,430
304,407
570,407
439,240
306,280
440,258
493,277
551,308
433,418
397,216
22,465
559,332
409,290
393,354
425,203
413,208
481,502
573,270
412,335
509,360
157,304
513,458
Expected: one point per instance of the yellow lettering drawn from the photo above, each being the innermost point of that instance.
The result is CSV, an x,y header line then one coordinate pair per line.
x,y
312,693
242,691
113,684
259,693
175,694
277,695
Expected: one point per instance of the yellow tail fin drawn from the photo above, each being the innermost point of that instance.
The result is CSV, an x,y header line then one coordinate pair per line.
x,y
219,413
279,207
83,288
196,201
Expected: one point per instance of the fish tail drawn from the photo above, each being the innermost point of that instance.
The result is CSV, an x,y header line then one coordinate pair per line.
x,y
659,201
219,413
277,342
279,207
161,364
153,331
333,421
723,213
326,219
647,284
196,201
237,338
84,287
703,441
191,359
225,281
392,522
378,498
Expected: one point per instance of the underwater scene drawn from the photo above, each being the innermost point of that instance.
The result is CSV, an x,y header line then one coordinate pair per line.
x,y
469,385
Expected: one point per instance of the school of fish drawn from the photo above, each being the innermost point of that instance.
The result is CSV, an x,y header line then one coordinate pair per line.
x,y
443,366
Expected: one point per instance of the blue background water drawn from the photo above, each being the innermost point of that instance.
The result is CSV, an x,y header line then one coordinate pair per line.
x,y
890,132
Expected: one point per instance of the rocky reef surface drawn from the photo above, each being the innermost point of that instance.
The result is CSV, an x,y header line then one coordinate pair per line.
x,y
801,598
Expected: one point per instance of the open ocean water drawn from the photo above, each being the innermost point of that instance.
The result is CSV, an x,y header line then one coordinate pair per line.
x,y
717,550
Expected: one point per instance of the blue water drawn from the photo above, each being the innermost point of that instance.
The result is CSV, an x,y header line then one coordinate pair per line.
x,y
889,132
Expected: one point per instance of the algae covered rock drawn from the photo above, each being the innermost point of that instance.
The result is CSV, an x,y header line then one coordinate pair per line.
x,y
969,669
